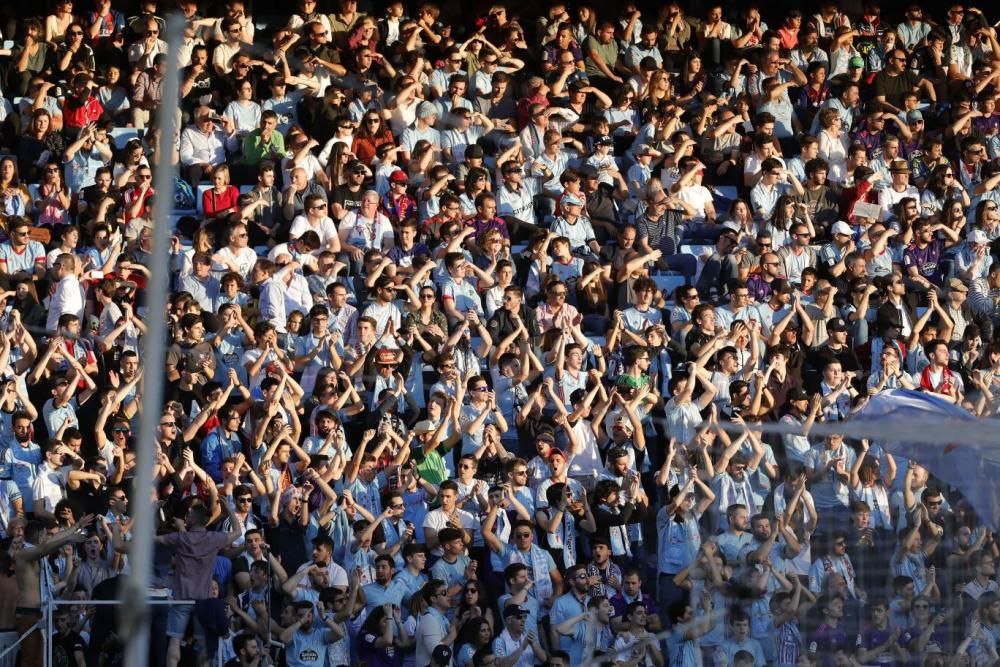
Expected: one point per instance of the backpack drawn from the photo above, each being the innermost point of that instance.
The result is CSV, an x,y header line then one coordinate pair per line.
x,y
183,195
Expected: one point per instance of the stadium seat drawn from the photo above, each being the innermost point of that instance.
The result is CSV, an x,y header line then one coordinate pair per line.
x,y
667,283
122,135
202,187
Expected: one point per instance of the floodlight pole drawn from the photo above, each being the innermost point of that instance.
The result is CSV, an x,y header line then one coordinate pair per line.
x,y
135,612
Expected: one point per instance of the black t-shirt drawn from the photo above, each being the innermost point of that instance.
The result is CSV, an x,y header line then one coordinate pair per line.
x,y
349,199
64,646
204,84
894,87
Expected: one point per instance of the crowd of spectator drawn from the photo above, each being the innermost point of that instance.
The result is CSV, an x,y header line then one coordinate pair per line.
x,y
478,324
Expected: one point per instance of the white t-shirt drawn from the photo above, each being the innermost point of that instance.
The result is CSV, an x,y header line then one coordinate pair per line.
x,y
326,229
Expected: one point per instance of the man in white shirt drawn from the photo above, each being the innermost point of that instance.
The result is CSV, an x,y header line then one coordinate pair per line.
x,y
68,297
203,145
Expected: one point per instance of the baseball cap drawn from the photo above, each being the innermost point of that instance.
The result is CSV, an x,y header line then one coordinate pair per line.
x,y
514,610
856,61
797,394
841,227
836,324
588,171
604,140
570,199
399,176
442,654
546,436
558,452
957,285
473,151
732,226
914,116
977,236
385,356
426,110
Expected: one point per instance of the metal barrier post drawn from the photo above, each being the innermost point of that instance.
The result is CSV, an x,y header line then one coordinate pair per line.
x,y
48,636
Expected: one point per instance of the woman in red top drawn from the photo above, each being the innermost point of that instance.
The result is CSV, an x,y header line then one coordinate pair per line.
x,y
221,199
373,133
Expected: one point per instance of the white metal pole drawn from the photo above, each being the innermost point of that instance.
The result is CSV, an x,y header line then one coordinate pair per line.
x,y
135,622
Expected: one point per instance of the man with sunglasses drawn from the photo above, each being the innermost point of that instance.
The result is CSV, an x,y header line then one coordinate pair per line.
x,y
893,82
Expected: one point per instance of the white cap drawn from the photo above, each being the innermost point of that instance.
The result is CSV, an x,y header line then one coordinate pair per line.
x,y
731,225
841,227
977,236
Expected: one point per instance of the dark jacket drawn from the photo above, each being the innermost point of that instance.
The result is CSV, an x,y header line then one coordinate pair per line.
x,y
502,324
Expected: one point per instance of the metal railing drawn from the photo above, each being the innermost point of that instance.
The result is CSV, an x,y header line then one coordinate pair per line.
x,y
45,625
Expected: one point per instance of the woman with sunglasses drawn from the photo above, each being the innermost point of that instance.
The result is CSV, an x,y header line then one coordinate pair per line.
x,y
53,200
428,321
372,133
73,52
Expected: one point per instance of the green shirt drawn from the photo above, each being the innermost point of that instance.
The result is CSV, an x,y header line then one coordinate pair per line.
x,y
609,52
256,150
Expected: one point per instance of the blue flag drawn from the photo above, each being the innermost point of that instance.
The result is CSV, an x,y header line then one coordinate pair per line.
x,y
970,463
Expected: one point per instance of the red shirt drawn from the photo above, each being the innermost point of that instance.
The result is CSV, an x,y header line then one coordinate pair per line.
x,y
76,117
214,203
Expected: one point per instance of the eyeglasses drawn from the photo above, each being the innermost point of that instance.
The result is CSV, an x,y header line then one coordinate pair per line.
x,y
318,34
481,389
454,61
523,535
397,507
471,590
563,293
520,472
371,120
119,498
244,235
244,499
802,234
168,423
489,62
79,33
235,31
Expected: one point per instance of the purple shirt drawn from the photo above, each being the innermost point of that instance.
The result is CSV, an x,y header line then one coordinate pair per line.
x,y
486,225
926,260
619,603
872,637
826,641
194,561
